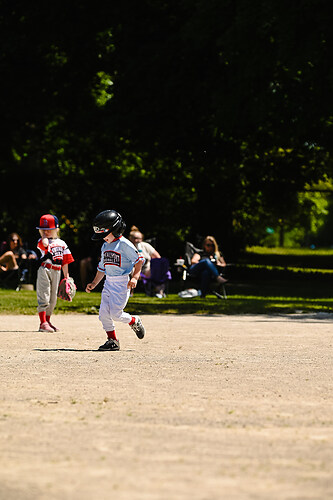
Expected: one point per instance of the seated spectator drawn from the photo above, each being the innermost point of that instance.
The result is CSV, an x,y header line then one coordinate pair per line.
x,y
146,249
148,252
208,265
16,262
12,253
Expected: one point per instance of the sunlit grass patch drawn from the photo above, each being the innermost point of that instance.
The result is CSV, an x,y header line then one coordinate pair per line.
x,y
25,302
288,251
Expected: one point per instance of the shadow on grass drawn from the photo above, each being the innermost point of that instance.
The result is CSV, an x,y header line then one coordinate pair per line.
x,y
233,305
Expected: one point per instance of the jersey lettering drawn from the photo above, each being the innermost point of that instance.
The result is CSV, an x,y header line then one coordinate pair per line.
x,y
112,258
57,252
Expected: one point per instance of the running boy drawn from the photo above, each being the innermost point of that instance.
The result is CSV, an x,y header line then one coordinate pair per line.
x,y
55,255
119,258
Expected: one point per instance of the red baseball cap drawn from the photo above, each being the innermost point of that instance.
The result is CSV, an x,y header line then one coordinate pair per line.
x,y
48,221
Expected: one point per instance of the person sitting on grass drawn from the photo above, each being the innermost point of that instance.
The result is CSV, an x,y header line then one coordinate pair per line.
x,y
12,253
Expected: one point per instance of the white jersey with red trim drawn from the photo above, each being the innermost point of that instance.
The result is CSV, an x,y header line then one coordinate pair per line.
x,y
119,257
57,253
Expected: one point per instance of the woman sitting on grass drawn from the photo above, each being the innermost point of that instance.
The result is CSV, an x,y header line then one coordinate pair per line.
x,y
12,253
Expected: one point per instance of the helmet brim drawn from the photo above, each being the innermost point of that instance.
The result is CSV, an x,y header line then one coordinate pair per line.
x,y
99,236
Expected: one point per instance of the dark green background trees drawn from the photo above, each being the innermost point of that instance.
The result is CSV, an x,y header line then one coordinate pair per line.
x,y
189,117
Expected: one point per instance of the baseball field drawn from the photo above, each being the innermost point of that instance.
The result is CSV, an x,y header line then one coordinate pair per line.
x,y
203,408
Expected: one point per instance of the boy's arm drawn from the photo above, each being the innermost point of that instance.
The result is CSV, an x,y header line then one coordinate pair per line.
x,y
65,270
99,276
136,275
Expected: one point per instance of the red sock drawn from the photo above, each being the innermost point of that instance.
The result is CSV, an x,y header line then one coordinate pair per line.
x,y
48,319
112,335
132,321
42,317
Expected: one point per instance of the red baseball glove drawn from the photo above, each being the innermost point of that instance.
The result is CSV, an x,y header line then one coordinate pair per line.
x,y
67,289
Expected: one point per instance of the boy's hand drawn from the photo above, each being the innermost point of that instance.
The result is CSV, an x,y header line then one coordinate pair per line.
x,y
90,287
132,283
45,242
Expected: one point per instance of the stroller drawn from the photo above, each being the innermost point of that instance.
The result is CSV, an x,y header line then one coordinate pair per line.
x,y
156,284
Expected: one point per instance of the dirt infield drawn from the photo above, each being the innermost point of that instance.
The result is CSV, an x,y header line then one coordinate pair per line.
x,y
203,408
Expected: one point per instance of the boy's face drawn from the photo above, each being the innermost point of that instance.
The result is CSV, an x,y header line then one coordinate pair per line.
x,y
109,238
49,233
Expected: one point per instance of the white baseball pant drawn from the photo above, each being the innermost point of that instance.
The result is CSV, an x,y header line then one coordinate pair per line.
x,y
115,295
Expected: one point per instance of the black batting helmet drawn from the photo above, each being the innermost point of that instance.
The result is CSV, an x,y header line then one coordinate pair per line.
x,y
108,222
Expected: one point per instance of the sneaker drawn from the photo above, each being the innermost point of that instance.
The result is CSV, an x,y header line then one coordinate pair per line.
x,y
138,327
189,293
45,327
220,280
55,329
110,345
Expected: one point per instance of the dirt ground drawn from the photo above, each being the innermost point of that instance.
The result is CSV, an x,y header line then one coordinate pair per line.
x,y
203,408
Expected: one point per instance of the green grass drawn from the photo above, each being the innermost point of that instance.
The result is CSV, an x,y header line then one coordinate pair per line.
x,y
289,251
259,299
291,269
264,281
300,258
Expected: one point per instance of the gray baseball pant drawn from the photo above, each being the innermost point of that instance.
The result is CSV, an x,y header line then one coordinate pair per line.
x,y
47,289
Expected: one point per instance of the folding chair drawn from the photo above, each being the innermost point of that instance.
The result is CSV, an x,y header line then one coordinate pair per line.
x,y
159,275
190,250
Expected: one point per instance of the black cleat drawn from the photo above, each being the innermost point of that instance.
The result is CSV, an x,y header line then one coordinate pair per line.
x,y
110,345
138,327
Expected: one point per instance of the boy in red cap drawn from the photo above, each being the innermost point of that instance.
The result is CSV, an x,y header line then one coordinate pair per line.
x,y
55,255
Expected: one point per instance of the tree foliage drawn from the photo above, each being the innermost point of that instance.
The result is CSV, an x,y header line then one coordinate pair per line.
x,y
189,117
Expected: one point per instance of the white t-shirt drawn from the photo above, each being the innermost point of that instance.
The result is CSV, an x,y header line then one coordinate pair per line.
x,y
146,250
